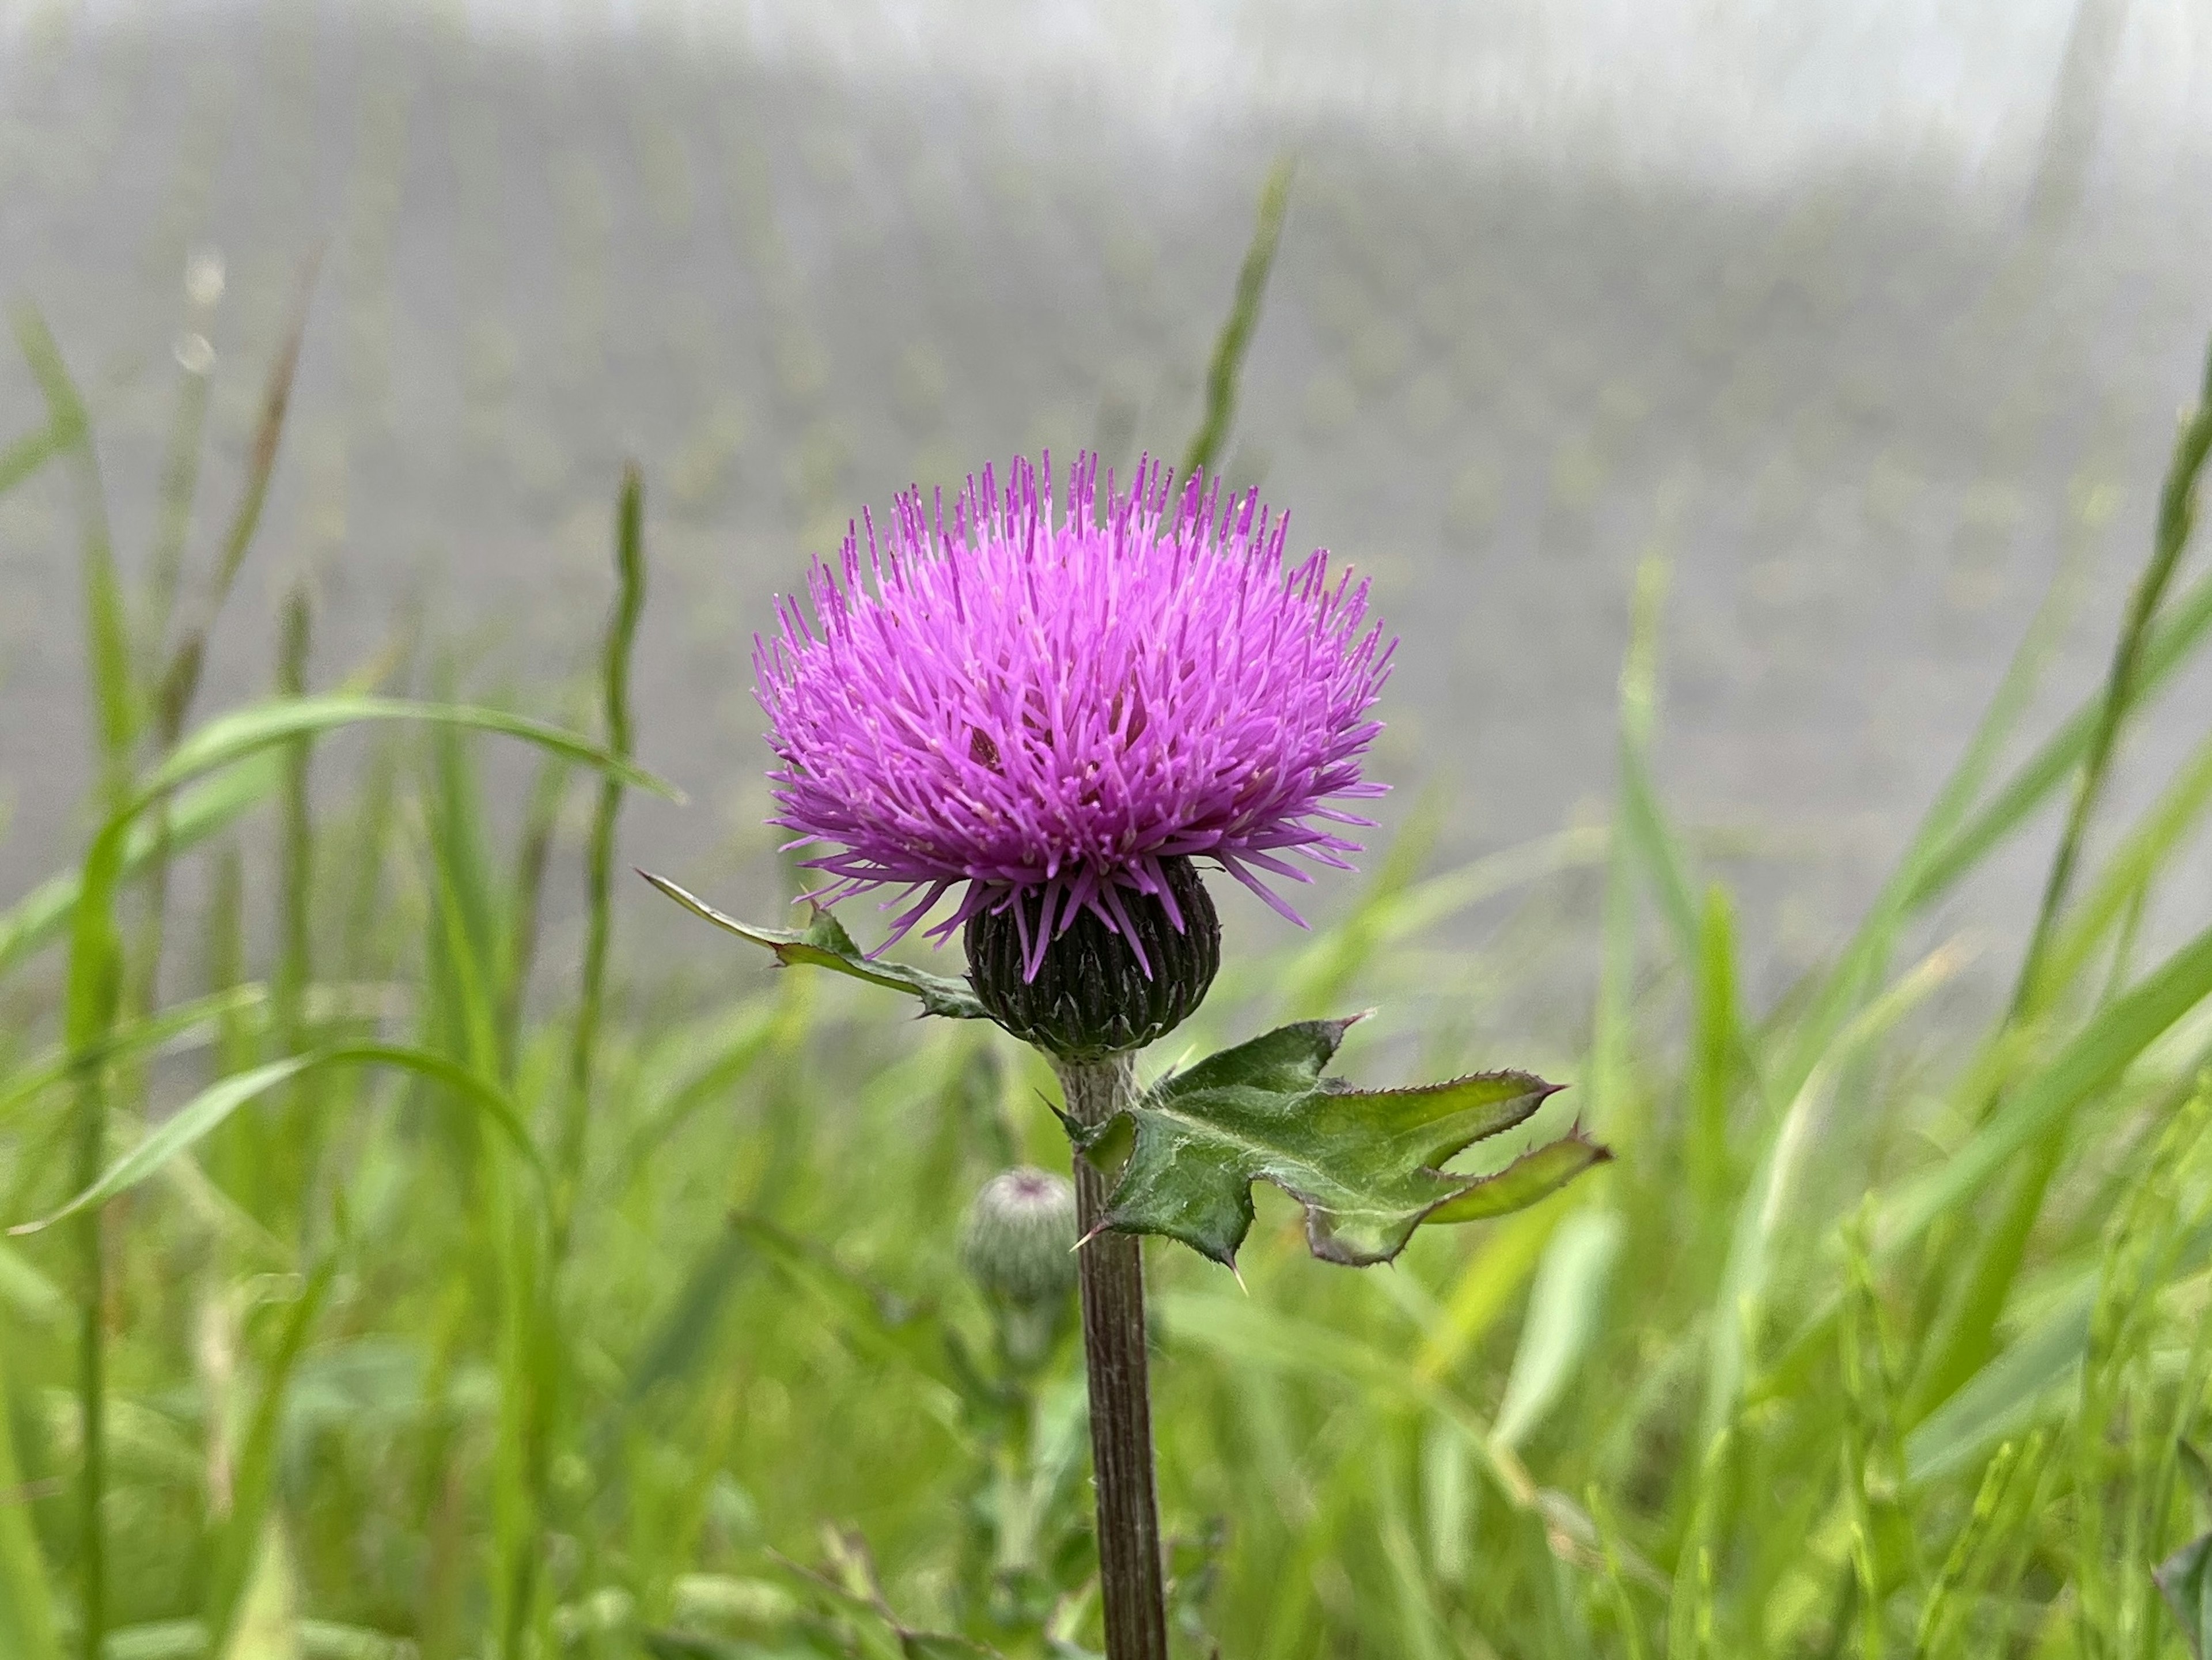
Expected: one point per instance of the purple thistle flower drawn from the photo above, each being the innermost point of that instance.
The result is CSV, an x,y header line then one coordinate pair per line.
x,y
1031,704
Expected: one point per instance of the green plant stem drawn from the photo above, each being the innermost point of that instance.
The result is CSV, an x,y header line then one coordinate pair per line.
x,y
543,1413
92,1364
300,1130
1131,1589
1965,1339
2176,513
621,635
1227,366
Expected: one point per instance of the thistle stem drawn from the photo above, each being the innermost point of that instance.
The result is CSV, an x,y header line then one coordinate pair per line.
x,y
1130,1578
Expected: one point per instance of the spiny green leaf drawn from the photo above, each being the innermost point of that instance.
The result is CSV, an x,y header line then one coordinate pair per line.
x,y
1534,1176
1365,1164
825,943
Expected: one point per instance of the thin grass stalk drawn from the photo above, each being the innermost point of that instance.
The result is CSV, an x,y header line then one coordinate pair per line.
x,y
1132,1586
108,639
614,669
95,969
298,1132
1227,368
1964,1340
180,468
574,1143
175,685
534,855
2177,514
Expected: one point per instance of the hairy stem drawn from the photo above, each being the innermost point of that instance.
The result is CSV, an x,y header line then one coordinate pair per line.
x,y
1130,1578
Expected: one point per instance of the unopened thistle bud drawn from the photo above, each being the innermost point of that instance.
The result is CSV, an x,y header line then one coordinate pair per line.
x,y
1019,1245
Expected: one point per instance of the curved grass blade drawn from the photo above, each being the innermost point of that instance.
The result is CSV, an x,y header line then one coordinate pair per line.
x,y
205,809
140,1037
2095,1060
242,733
208,1110
1223,374
1564,1311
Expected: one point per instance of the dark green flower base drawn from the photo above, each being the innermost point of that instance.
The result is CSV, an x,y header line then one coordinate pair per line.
x,y
1090,997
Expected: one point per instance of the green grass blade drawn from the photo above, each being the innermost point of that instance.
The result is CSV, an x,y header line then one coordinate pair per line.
x,y
28,1627
127,1042
1739,1307
1858,969
2127,873
2176,518
2093,1062
107,631
1719,1034
2006,1397
242,733
268,432
204,811
1227,368
2173,643
23,458
615,664
239,1539
1565,1308
206,1111
685,1335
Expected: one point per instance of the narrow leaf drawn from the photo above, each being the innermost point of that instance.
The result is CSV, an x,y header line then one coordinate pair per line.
x,y
825,944
1564,1313
268,1626
206,1111
2184,1580
1223,375
2006,1395
233,737
2096,1058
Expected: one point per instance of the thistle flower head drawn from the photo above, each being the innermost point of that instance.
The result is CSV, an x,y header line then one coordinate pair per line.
x,y
1051,702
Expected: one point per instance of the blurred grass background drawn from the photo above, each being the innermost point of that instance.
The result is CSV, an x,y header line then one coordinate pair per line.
x,y
457,1289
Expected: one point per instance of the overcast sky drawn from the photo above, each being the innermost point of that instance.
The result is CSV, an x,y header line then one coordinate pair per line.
x,y
1754,90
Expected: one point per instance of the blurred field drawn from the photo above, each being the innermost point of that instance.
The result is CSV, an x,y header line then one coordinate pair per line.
x,y
458,1289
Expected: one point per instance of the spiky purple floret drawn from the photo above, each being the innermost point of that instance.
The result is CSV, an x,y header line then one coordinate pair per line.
x,y
1056,703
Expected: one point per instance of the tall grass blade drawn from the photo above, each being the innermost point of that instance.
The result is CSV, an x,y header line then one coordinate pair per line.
x,y
126,1041
107,632
43,915
1739,1307
1227,369
2095,1060
1966,1337
241,1541
28,1627
1565,1309
22,458
2172,643
205,1112
599,880
2177,515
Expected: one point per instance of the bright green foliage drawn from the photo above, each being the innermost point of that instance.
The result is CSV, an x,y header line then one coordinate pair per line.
x,y
1365,1164
2184,1578
306,1342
